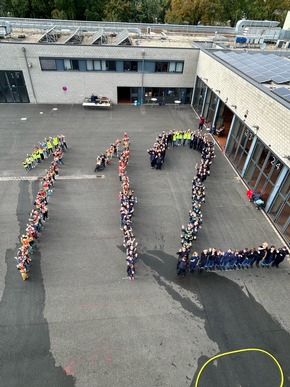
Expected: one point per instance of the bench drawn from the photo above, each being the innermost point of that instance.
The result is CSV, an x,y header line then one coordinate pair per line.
x,y
97,105
103,102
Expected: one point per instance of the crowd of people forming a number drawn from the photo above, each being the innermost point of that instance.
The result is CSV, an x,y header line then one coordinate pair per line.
x,y
127,200
39,214
53,146
121,149
211,258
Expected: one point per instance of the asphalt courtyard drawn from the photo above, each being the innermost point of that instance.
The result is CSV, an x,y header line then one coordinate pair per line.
x,y
78,321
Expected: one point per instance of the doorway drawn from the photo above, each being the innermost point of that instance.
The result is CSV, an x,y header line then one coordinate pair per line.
x,y
124,94
12,87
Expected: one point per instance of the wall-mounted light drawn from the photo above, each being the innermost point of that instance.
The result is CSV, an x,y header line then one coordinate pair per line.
x,y
255,127
204,79
234,106
286,157
29,64
226,100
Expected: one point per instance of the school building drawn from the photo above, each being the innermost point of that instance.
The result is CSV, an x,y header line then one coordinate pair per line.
x,y
243,94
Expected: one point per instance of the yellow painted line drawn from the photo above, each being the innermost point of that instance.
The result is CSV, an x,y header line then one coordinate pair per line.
x,y
240,351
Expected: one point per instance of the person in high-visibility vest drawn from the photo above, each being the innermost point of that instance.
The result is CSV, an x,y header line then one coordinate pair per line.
x,y
174,139
49,147
55,141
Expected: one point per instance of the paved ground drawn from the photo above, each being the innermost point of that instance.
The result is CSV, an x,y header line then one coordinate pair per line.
x,y
78,321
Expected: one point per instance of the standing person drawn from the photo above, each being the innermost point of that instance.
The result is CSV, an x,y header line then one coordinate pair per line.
x,y
203,260
182,267
270,257
201,122
131,271
228,256
49,147
158,161
193,262
262,253
169,138
55,141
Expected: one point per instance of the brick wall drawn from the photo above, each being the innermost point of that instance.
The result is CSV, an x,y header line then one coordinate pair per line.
x,y
271,116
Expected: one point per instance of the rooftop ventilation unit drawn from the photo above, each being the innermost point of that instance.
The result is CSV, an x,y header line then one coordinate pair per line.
x,y
5,28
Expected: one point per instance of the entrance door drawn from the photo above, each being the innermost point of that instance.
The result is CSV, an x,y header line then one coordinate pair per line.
x,y
124,94
12,87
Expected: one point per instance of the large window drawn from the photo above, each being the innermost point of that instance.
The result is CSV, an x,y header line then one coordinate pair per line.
x,y
168,95
239,144
171,67
101,65
47,64
94,65
71,64
263,170
97,64
199,94
12,87
131,65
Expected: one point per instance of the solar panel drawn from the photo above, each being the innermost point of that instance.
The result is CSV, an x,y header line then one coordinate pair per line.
x,y
98,37
262,78
279,79
260,67
123,38
50,36
76,37
283,93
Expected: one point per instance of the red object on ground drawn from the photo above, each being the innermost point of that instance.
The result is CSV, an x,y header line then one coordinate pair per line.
x,y
250,193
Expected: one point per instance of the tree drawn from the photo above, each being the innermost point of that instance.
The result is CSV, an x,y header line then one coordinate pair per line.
x,y
42,9
65,9
192,11
119,10
21,8
94,10
147,11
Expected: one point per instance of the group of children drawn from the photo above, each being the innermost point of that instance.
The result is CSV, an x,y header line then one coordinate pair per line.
x,y
189,233
127,200
211,259
52,146
158,151
105,158
38,216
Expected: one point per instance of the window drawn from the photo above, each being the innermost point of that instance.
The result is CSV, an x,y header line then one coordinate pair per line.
x,y
100,65
110,65
171,67
94,65
161,67
131,65
71,64
47,64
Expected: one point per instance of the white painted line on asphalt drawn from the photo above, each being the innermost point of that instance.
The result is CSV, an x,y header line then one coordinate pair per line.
x,y
23,119
17,178
33,178
81,177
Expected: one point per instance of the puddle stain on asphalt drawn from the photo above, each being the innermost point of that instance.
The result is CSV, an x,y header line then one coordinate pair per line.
x,y
233,320
24,338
